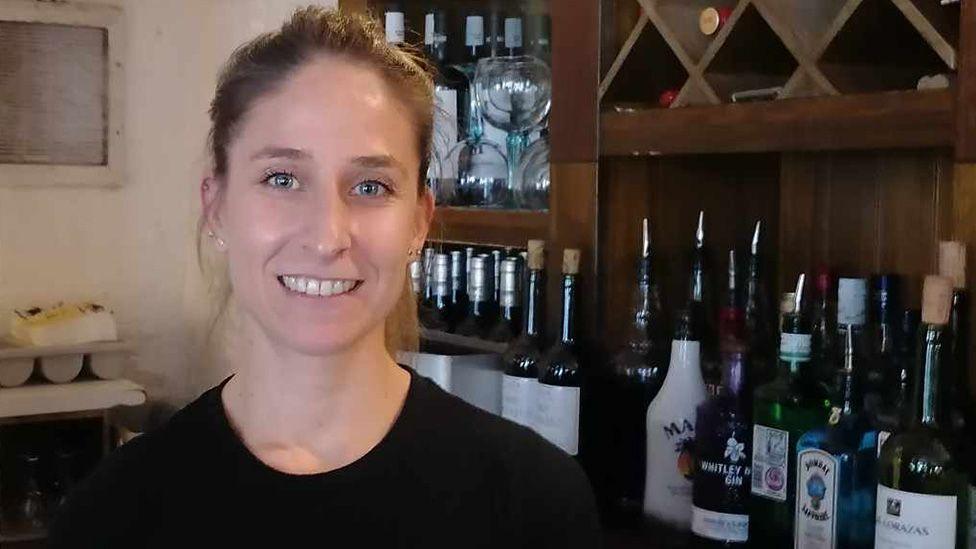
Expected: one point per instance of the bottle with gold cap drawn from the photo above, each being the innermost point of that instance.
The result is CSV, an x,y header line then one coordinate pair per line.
x,y
557,416
521,358
923,493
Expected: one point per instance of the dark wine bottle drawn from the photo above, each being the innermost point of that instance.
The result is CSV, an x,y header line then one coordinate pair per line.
x,y
702,309
479,314
759,333
459,286
638,370
521,358
560,374
881,331
436,315
723,446
823,342
506,327
394,23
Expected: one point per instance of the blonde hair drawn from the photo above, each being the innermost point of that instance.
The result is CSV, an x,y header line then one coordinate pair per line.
x,y
258,66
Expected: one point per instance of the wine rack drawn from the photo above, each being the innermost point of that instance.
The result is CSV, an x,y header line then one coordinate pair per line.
x,y
822,48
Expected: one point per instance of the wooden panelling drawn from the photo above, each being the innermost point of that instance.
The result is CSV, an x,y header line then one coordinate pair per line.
x,y
488,227
966,116
862,213
963,221
573,122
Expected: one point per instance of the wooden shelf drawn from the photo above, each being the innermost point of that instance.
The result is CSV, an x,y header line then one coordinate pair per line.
x,y
488,227
871,121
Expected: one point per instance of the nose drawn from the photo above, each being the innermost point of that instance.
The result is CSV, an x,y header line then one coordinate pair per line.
x,y
329,230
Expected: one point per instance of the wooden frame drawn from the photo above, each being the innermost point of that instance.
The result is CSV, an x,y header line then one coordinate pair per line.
x,y
88,15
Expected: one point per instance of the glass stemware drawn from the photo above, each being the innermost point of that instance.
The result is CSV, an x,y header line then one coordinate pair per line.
x,y
533,180
513,94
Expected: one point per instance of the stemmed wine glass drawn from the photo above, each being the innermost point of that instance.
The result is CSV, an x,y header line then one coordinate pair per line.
x,y
514,94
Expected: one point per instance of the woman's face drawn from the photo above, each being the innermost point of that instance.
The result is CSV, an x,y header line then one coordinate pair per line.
x,y
320,207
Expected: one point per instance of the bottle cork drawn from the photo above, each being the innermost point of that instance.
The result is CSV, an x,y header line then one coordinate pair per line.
x,y
571,259
537,255
952,262
936,299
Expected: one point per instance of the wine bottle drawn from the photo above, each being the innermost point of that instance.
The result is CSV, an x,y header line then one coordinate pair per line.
x,y
521,358
882,331
459,286
506,327
496,271
922,497
560,375
823,343
476,321
783,410
436,315
671,433
759,334
513,35
394,23
449,88
469,122
895,417
702,309
837,467
852,300
723,444
638,371
428,272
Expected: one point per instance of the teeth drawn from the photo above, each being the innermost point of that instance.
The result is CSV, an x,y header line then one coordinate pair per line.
x,y
317,287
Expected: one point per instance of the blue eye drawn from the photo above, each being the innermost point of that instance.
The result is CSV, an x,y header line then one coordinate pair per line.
x,y
370,188
281,180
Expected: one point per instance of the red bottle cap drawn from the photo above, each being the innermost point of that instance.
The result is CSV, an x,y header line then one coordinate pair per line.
x,y
667,98
824,281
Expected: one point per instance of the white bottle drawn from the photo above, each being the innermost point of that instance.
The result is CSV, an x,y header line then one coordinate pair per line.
x,y
670,435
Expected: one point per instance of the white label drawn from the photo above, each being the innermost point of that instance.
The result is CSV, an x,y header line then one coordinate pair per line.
x,y
557,416
719,526
474,31
852,297
670,468
915,521
429,29
816,500
770,450
882,438
795,347
445,131
513,32
517,399
394,27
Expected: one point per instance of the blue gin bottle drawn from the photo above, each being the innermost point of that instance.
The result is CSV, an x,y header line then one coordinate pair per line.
x,y
836,471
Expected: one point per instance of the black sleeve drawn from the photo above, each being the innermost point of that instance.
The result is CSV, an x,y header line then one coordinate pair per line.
x,y
105,510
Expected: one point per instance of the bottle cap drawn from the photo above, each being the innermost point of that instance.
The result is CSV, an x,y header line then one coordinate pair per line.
x,y
442,267
477,277
509,281
852,295
824,281
936,300
712,19
571,259
952,262
537,254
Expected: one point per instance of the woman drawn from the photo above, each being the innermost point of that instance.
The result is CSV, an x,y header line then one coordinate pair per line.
x,y
319,141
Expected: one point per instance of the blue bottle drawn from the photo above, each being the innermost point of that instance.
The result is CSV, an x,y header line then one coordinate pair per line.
x,y
836,471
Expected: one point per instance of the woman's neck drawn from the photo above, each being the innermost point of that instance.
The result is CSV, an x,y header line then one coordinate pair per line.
x,y
304,414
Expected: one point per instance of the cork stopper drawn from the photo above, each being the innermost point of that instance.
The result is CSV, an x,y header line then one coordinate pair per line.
x,y
537,255
952,262
936,299
571,260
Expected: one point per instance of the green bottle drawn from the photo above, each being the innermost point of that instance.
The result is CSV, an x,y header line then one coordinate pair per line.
x,y
792,404
923,493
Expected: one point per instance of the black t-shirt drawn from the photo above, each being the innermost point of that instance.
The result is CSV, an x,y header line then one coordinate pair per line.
x,y
446,475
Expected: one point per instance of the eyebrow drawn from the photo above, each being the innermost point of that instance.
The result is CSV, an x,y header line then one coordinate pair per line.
x,y
378,161
282,152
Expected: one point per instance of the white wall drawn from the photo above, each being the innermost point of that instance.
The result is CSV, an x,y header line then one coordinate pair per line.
x,y
132,248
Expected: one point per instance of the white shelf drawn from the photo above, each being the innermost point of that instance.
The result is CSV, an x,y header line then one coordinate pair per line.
x,y
10,349
77,396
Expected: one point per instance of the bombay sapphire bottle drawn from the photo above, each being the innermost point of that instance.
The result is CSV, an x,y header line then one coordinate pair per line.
x,y
836,470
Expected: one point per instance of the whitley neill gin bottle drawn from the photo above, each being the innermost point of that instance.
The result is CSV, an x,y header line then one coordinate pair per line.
x,y
792,404
923,491
723,447
521,358
560,377
671,432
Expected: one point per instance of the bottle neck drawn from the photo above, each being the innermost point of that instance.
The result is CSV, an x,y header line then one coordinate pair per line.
x,y
696,290
567,333
959,328
736,381
533,303
930,377
645,307
795,348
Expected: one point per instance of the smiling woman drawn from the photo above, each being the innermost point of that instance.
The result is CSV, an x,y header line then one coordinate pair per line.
x,y
320,135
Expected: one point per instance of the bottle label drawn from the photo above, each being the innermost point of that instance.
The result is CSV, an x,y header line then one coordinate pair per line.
x,y
719,526
770,450
882,438
395,27
816,500
852,295
794,347
670,469
517,399
513,32
918,521
557,416
474,31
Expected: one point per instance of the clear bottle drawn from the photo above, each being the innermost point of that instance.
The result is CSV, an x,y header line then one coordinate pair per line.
x,y
509,321
521,358
702,309
783,410
723,446
559,390
923,493
837,468
638,371
671,434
